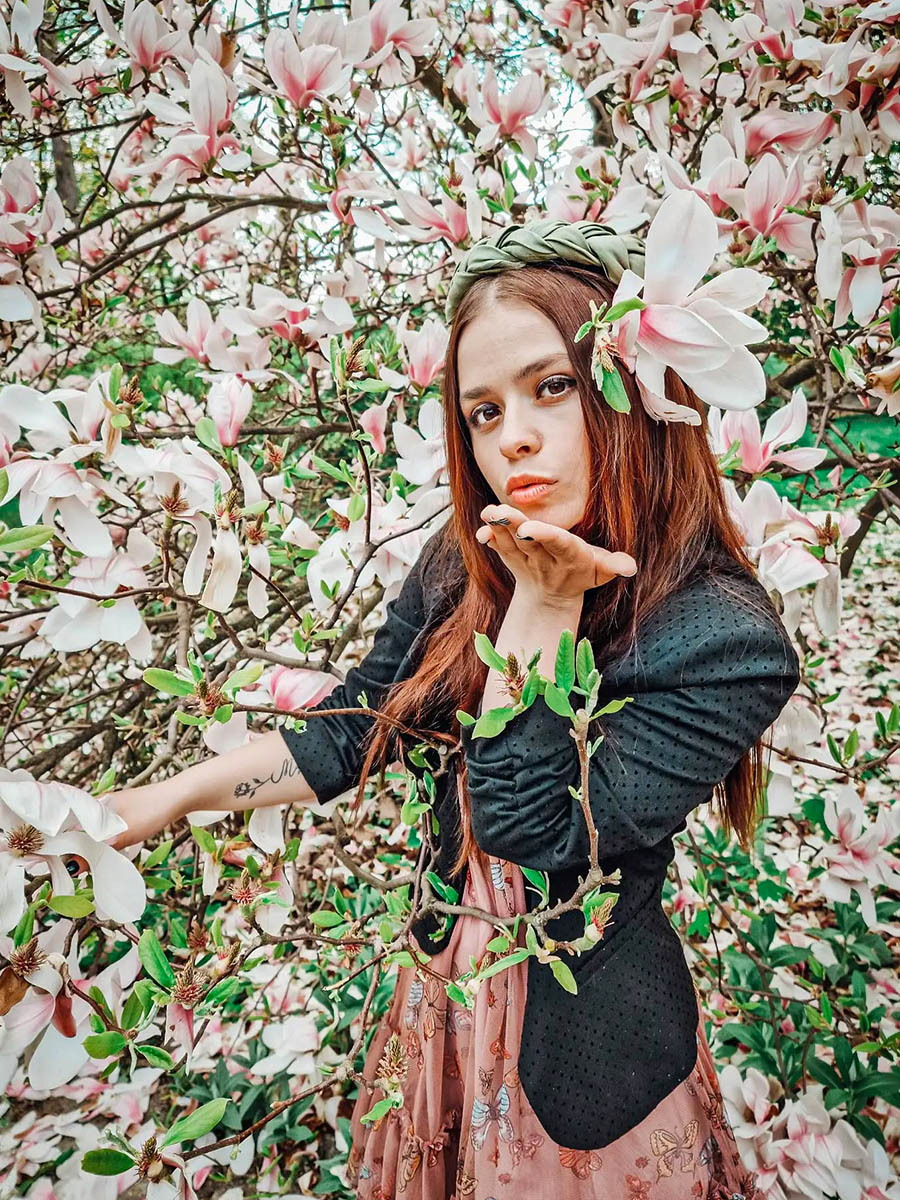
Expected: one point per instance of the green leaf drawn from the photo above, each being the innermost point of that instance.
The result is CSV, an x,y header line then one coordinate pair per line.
x,y
207,434
25,537
105,1045
508,960
132,1011
244,676
4,484
159,854
563,975
153,959
370,385
584,662
204,839
538,879
168,681
893,319
75,906
157,1057
623,307
25,928
486,652
379,1109
614,392
446,891
558,701
106,1162
492,722
356,507
221,991
326,919
200,1121
565,661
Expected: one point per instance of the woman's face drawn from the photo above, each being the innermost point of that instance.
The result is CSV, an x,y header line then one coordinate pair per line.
x,y
520,402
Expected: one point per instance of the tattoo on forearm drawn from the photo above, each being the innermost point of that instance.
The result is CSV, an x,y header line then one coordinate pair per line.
x,y
249,787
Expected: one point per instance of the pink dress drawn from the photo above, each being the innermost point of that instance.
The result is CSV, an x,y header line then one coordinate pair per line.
x,y
466,1130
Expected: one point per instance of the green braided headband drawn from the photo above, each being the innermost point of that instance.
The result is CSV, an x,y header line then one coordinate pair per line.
x,y
585,242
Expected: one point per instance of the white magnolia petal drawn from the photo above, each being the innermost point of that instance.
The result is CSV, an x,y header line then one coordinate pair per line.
x,y
681,243
24,1022
57,1059
740,287
43,805
737,384
225,574
681,338
196,563
12,891
729,323
265,828
118,887
96,818
87,531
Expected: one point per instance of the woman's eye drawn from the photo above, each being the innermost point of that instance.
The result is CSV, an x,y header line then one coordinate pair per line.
x,y
558,379
471,419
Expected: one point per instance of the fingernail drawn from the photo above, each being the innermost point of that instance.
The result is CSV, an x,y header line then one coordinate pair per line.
x,y
525,537
498,520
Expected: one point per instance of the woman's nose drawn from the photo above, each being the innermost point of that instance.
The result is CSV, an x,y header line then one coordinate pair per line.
x,y
518,435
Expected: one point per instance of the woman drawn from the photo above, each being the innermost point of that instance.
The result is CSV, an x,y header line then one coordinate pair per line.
x,y
610,1092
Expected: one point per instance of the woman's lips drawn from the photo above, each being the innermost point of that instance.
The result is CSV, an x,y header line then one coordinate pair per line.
x,y
531,492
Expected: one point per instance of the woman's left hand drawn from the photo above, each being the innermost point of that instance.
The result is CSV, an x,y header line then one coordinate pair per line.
x,y
551,564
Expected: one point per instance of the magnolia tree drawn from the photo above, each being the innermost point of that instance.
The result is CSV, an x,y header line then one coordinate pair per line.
x,y
225,241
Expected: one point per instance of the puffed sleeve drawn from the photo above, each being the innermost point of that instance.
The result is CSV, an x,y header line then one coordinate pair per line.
x,y
329,752
708,677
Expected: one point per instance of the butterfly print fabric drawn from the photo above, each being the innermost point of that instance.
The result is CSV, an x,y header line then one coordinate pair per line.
x,y
466,1130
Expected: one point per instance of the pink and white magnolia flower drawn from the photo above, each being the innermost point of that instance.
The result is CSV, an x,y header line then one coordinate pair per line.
x,y
858,859
201,135
145,37
884,382
426,223
697,331
285,316
301,76
78,622
396,41
56,1023
422,454
792,131
374,422
779,536
425,350
758,451
858,289
292,1045
293,688
391,562
204,339
18,43
42,825
24,222
504,116
228,403
763,202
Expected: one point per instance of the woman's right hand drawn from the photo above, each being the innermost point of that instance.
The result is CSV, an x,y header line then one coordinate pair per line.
x,y
147,809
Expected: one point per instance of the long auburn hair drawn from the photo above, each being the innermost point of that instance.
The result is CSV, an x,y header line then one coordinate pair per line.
x,y
655,492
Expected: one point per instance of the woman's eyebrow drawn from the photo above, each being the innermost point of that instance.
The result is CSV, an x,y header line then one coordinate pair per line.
x,y
539,364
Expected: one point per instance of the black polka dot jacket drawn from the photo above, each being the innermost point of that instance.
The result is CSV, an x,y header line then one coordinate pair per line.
x,y
709,672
